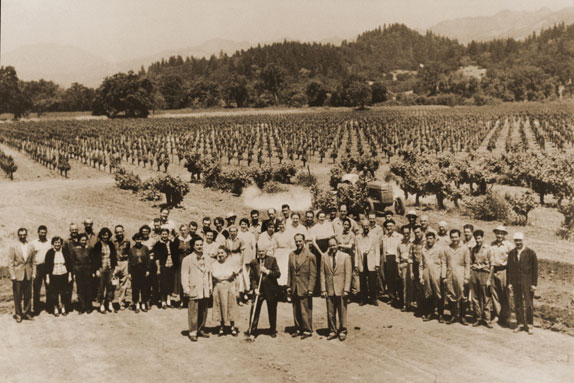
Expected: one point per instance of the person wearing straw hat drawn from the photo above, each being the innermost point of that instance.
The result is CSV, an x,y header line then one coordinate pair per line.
x,y
522,278
499,254
412,217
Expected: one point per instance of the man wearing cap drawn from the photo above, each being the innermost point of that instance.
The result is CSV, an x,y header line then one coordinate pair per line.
x,y
387,216
432,272
457,257
412,217
522,276
442,237
499,254
230,218
480,277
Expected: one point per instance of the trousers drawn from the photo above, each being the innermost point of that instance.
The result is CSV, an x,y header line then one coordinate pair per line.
x,y
139,292
106,287
499,293
22,291
197,315
368,281
59,291
122,276
303,313
83,287
481,299
523,305
271,312
37,287
337,307
166,281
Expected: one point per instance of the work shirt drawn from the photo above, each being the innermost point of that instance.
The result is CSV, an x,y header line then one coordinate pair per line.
x,y
500,252
123,249
41,249
404,252
480,258
391,242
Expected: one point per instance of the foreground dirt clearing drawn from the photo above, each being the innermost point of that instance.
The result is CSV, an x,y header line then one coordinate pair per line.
x,y
389,344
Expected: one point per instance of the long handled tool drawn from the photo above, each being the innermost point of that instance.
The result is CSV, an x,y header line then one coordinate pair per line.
x,y
254,304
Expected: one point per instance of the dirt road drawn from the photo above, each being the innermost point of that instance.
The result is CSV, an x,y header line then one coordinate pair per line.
x,y
389,346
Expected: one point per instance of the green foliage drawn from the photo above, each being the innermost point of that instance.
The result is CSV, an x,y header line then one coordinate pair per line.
x,y
489,207
127,180
173,188
8,165
305,179
522,204
12,97
125,94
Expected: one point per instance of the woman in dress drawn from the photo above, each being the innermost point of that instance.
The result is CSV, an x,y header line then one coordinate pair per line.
x,y
224,271
319,235
285,245
59,276
236,249
250,243
210,246
183,244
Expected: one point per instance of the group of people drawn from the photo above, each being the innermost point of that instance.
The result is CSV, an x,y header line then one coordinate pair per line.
x,y
284,258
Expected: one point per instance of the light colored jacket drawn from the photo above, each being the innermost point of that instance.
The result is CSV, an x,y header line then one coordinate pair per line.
x,y
335,282
21,265
196,278
369,245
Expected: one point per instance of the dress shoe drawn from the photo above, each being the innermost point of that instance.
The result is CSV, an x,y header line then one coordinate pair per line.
x,y
234,331
28,317
332,336
56,313
375,302
295,334
440,319
342,336
144,308
476,324
18,318
463,321
426,318
274,334
530,331
193,338
137,310
306,335
487,324
451,320
362,303
517,329
203,334
250,339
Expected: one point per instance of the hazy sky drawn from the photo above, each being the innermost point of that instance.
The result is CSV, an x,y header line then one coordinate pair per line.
x,y
125,29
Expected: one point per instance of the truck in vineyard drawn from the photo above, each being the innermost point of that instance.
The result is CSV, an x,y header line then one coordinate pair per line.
x,y
380,195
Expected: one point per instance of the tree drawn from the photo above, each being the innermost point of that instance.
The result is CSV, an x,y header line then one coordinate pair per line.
x,y
12,98
123,93
236,91
358,93
379,92
316,93
45,96
77,98
273,79
173,90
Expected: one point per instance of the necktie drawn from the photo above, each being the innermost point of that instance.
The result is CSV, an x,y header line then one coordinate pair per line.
x,y
334,262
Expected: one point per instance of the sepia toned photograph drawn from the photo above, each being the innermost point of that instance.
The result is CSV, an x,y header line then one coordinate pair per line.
x,y
287,191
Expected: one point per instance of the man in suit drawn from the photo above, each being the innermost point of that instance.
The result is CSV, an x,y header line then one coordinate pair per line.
x,y
197,285
301,279
522,276
367,264
22,269
265,267
335,287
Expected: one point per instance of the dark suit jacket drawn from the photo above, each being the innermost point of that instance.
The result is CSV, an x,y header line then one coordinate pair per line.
x,y
269,285
49,262
161,253
17,266
335,282
523,273
97,255
302,272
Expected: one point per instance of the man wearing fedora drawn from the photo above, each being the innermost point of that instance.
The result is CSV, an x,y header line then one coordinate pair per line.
x,y
499,250
522,275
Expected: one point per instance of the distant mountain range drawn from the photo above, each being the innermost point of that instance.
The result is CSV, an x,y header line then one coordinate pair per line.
x,y
66,64
505,24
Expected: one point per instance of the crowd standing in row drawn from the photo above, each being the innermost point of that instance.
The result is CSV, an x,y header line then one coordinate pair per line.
x,y
284,258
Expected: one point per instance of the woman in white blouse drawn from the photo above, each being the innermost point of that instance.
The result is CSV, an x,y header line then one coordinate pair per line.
x,y
224,271
59,276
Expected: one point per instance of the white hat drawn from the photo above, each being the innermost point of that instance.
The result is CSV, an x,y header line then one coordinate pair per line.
x,y
518,235
412,212
443,223
500,228
230,215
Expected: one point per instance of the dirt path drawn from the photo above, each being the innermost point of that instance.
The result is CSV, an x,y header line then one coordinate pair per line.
x,y
383,344
483,146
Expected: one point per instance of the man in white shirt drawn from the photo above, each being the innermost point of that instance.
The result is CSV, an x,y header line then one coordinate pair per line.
x,y
41,247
